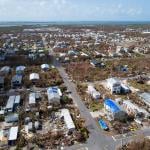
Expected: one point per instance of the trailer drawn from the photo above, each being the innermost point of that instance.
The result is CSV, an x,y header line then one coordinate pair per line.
x,y
103,124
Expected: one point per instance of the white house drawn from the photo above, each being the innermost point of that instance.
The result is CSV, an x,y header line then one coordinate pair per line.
x,y
114,85
32,99
92,91
68,120
131,108
34,76
145,97
54,94
16,81
12,103
13,134
5,69
45,67
20,69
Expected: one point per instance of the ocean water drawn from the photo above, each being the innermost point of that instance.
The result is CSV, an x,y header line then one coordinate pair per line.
x,y
9,24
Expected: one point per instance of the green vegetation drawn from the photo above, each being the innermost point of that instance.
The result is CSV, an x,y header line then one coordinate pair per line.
x,y
95,105
2,118
66,100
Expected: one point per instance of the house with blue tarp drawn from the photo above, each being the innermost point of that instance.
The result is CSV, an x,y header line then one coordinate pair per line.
x,y
114,110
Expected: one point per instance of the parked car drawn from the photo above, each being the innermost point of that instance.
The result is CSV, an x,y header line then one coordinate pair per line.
x,y
103,125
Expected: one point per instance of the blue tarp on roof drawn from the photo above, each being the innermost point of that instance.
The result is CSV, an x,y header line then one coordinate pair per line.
x,y
112,105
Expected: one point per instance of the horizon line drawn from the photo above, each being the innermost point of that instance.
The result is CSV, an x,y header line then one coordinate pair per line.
x,y
78,21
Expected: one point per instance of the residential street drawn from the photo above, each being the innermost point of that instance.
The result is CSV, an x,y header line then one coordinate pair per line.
x,y
97,140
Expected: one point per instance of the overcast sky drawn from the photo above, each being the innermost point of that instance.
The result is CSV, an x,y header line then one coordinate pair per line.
x,y
74,10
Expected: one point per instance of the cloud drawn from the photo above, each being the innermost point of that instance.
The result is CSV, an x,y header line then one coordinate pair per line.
x,y
119,10
59,10
134,12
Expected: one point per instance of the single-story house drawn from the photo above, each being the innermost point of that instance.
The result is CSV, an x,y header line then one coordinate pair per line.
x,y
145,97
96,63
12,103
37,125
68,120
30,126
11,118
54,94
122,68
34,77
45,67
5,70
13,134
32,99
114,110
133,109
16,81
20,69
72,52
92,91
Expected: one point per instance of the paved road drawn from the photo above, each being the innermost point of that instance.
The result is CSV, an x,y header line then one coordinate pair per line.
x,y
97,140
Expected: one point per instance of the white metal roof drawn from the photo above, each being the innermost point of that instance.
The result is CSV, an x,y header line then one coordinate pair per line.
x,y
93,92
129,104
45,66
34,76
17,99
113,81
20,68
53,94
10,102
125,87
32,98
13,132
5,69
67,118
146,98
59,92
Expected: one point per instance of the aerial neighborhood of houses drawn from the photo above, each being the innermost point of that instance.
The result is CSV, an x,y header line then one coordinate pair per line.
x,y
53,80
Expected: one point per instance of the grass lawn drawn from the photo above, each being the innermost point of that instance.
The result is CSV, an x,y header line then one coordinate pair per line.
x,y
96,105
